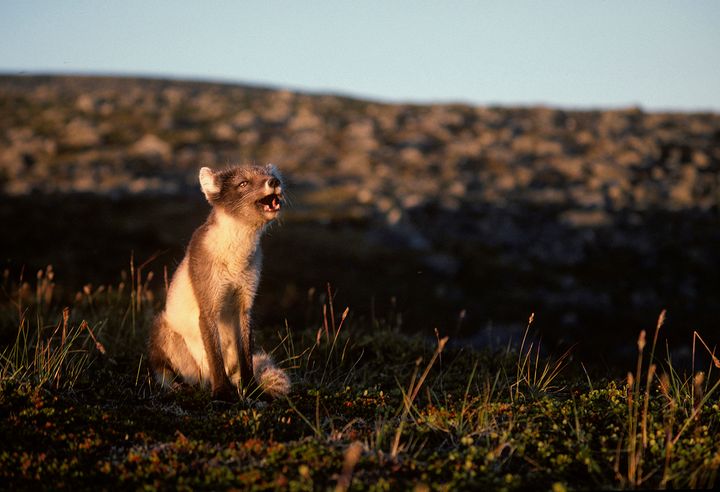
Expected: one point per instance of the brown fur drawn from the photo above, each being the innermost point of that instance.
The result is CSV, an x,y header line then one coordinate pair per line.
x,y
216,284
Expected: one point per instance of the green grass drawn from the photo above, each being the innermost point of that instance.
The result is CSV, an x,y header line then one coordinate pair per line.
x,y
370,408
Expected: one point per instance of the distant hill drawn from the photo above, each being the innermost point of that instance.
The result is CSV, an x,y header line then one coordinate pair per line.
x,y
64,134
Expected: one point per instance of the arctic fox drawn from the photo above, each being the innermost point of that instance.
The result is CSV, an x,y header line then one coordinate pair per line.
x,y
204,335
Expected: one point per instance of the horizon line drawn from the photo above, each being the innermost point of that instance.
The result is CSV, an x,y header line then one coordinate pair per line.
x,y
347,94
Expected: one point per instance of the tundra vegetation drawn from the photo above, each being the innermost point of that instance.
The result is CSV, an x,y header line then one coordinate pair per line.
x,y
371,407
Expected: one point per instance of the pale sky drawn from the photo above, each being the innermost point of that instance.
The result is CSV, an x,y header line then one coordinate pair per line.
x,y
659,55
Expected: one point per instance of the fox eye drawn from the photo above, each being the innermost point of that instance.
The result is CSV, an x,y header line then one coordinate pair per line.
x,y
243,184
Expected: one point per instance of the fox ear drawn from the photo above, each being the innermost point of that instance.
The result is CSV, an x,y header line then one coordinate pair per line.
x,y
208,183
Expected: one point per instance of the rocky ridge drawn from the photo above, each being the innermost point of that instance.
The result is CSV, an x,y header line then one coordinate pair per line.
x,y
104,135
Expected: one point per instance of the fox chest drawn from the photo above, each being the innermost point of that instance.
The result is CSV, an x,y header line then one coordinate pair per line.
x,y
236,280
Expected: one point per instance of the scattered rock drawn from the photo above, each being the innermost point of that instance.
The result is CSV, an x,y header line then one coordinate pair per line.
x,y
152,146
79,134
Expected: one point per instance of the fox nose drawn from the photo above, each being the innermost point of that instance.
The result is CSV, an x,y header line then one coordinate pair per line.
x,y
273,182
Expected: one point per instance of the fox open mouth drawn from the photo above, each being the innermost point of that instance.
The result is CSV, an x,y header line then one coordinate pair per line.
x,y
271,203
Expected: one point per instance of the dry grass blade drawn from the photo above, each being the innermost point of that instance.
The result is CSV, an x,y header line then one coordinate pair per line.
x,y
412,393
715,360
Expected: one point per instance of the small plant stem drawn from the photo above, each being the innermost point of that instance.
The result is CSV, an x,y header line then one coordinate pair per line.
x,y
660,323
668,446
336,335
465,397
133,292
521,367
408,401
137,375
317,413
325,323
646,402
635,454
715,360
332,311
314,428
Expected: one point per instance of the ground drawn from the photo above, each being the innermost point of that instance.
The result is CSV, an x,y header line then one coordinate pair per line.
x,y
371,408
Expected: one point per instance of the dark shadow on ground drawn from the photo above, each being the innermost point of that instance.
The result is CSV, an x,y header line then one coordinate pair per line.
x,y
615,285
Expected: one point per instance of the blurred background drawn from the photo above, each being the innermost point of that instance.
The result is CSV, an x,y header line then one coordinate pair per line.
x,y
457,167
